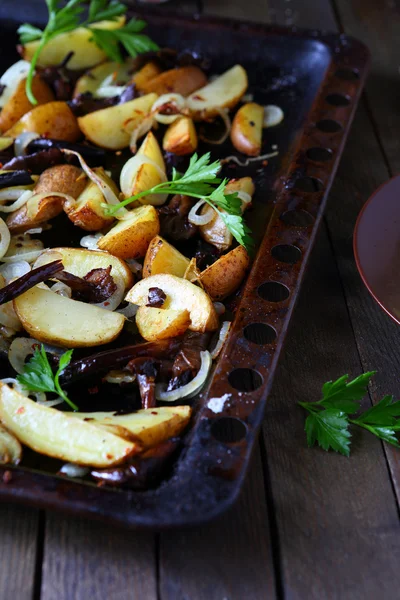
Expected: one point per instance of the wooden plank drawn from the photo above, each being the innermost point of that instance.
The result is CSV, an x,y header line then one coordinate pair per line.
x,y
230,558
89,560
18,546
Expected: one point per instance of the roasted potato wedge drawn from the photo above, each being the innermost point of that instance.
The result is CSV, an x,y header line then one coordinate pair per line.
x,y
58,434
18,105
53,119
162,257
131,236
247,128
138,176
92,80
86,53
215,231
63,179
58,320
181,137
181,295
149,427
223,92
160,324
10,448
145,74
111,127
6,142
80,262
183,80
87,210
224,276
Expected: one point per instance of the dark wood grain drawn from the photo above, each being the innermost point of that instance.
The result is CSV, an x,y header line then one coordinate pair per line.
x,y
18,546
87,560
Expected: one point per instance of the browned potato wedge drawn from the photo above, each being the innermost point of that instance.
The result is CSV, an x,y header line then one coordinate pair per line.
x,y
86,53
215,231
54,119
247,127
183,80
87,211
111,127
137,176
224,276
160,324
6,142
79,261
55,433
10,448
58,320
18,105
162,257
181,295
192,272
131,237
150,426
146,73
63,179
181,137
223,92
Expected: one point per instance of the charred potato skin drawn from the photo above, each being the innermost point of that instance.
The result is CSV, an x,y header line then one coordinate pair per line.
x,y
53,119
183,80
224,276
247,127
181,137
19,104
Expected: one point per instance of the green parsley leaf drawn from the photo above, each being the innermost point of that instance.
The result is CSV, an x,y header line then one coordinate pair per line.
x,y
383,413
38,375
330,429
343,395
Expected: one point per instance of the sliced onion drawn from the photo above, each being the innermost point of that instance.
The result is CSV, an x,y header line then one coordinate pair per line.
x,y
7,332
134,266
34,231
5,238
91,241
40,397
142,127
273,115
21,200
190,389
8,316
22,141
11,79
177,100
244,196
13,270
223,336
119,377
72,470
248,160
116,298
22,347
128,175
62,289
224,114
129,311
219,308
203,219
29,257
109,91
22,248
15,192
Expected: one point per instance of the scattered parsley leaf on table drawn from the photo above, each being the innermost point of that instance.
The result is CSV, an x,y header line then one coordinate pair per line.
x,y
329,419
38,375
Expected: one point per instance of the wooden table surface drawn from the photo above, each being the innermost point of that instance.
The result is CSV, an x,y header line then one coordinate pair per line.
x,y
309,524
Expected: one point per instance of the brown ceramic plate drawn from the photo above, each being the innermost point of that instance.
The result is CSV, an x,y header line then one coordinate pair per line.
x,y
377,246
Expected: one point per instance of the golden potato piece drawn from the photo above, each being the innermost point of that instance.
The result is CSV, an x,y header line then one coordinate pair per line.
x,y
10,448
18,105
247,127
183,80
160,324
224,276
87,211
131,236
58,320
63,179
223,92
215,231
162,257
55,433
150,426
53,119
181,137
86,53
111,127
5,142
181,295
146,73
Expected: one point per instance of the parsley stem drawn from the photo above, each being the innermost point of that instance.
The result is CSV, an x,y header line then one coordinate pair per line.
x,y
312,407
31,73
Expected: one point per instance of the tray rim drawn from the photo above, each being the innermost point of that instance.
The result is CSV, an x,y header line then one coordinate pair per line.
x,y
43,490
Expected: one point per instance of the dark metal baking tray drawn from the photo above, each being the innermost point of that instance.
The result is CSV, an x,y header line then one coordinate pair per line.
x,y
317,80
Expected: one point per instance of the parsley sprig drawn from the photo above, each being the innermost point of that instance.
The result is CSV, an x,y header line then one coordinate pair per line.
x,y
63,19
38,375
329,420
201,181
